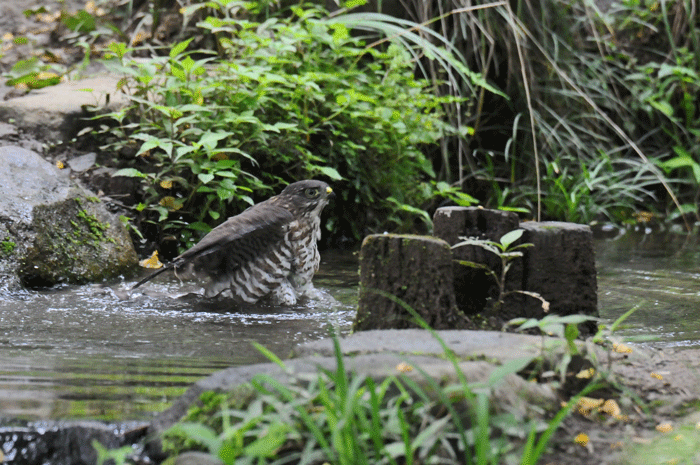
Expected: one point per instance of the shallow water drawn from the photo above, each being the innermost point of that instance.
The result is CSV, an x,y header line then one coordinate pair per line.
x,y
660,274
84,352
88,352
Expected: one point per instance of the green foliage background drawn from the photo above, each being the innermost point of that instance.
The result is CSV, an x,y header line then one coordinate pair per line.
x,y
576,111
286,99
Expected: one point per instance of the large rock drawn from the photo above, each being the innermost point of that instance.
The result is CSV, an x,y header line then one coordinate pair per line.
x,y
398,270
53,231
380,354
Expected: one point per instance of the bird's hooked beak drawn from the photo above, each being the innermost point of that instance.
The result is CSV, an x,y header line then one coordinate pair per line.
x,y
330,193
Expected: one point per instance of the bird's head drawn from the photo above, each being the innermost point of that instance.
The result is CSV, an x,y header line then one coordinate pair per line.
x,y
306,197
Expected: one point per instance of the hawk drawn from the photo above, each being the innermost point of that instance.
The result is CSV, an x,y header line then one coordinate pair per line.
x,y
269,251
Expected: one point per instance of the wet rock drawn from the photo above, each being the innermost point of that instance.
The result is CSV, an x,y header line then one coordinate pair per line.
x,y
473,287
417,270
53,231
7,130
64,443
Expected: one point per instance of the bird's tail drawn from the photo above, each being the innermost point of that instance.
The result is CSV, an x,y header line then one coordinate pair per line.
x,y
152,275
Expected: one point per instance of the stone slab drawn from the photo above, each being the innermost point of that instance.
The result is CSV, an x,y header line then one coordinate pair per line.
x,y
51,113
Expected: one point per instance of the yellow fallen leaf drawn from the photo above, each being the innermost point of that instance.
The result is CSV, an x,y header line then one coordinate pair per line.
x,y
586,374
60,165
657,376
581,439
171,203
140,37
611,408
404,367
586,404
46,75
664,427
152,261
621,348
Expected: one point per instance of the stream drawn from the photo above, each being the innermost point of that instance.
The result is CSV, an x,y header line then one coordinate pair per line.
x,y
95,352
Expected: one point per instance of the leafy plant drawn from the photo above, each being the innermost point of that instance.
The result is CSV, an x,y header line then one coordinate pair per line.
x,y
507,253
291,97
348,418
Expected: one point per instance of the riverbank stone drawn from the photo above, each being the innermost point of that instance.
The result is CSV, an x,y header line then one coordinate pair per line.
x,y
383,353
64,442
406,270
52,230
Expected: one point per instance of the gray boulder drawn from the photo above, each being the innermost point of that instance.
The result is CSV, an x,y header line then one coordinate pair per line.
x,y
53,231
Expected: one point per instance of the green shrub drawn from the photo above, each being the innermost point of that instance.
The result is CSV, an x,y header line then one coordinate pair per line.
x,y
290,98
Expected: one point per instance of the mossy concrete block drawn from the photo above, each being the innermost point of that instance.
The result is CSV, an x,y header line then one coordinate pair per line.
x,y
54,231
560,266
416,270
473,287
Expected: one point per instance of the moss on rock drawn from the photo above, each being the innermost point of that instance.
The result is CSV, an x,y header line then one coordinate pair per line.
x,y
76,241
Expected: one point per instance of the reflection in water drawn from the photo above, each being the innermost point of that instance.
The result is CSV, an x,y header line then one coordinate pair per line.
x,y
81,351
658,272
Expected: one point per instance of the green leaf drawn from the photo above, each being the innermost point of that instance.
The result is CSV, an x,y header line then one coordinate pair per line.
x,y
205,177
663,107
180,47
129,173
118,48
269,354
330,172
268,445
82,21
511,237
199,433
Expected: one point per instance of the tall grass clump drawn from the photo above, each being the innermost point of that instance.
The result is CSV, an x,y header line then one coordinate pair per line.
x,y
600,120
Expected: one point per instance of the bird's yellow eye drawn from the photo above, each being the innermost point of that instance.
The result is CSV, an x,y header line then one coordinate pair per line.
x,y
311,193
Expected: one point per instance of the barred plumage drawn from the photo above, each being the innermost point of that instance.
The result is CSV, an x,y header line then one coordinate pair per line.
x,y
269,251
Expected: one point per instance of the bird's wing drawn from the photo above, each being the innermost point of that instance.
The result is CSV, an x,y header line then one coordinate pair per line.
x,y
234,242
238,240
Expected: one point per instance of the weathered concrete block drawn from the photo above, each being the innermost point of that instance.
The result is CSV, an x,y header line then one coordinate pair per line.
x,y
415,269
561,268
474,287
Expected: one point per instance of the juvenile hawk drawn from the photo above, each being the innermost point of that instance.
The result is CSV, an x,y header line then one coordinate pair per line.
x,y
268,251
